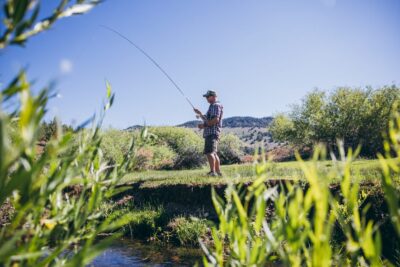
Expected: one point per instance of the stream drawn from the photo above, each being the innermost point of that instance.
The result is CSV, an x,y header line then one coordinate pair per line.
x,y
126,252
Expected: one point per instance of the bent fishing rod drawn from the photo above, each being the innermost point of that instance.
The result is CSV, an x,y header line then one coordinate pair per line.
x,y
154,62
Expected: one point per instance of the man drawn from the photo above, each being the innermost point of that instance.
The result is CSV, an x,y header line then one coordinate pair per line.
x,y
211,126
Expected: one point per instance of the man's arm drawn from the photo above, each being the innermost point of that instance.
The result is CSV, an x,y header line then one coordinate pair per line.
x,y
198,112
212,121
215,112
208,123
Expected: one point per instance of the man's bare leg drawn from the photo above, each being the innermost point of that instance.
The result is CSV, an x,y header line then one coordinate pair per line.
x,y
217,163
211,161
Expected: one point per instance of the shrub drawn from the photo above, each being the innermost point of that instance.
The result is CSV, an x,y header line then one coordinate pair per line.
x,y
142,159
230,149
115,144
163,157
187,145
148,154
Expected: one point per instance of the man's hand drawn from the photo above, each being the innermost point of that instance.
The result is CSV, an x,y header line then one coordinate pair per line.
x,y
198,112
201,126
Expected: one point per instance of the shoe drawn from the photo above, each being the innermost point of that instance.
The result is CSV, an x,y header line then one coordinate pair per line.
x,y
220,174
212,174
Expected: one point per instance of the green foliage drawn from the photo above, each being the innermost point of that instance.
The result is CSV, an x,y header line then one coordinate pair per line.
x,y
115,144
21,21
189,231
154,158
187,145
283,129
163,157
294,225
230,149
147,155
157,224
48,216
392,146
356,116
168,148
143,222
53,196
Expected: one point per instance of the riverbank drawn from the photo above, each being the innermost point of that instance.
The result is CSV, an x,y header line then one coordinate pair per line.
x,y
175,207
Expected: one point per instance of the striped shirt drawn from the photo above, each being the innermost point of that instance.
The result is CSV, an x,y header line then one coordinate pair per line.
x,y
214,111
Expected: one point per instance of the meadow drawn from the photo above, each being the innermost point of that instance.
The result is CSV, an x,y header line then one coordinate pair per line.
x,y
364,170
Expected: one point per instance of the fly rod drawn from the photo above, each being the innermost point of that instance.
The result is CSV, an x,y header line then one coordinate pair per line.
x,y
152,60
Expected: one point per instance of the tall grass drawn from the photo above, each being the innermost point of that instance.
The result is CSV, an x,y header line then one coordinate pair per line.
x,y
50,200
55,194
294,226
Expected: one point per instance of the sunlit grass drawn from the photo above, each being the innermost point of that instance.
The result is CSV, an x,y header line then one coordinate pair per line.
x,y
366,170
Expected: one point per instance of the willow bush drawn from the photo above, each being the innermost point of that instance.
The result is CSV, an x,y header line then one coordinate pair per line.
x,y
292,224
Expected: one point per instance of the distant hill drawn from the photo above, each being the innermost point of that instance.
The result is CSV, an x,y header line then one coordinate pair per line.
x,y
236,122
134,127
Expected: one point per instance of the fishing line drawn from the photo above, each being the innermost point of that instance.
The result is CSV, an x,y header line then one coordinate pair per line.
x,y
152,60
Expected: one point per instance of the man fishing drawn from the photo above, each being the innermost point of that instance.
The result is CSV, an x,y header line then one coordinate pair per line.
x,y
211,126
212,119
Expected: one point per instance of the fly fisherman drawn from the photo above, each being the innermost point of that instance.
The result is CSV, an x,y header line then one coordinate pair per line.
x,y
212,123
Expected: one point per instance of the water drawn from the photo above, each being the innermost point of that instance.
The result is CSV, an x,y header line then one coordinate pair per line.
x,y
127,252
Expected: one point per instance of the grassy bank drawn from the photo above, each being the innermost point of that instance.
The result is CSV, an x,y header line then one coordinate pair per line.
x,y
367,170
174,207
160,224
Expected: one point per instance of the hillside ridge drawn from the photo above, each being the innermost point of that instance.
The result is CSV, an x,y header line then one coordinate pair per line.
x,y
235,122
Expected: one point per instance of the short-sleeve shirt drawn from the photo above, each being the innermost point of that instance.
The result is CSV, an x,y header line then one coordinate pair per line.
x,y
214,111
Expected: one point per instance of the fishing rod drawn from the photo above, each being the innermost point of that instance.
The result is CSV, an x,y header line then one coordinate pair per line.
x,y
153,61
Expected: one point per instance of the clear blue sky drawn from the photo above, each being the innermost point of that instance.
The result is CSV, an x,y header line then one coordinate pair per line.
x,y
260,56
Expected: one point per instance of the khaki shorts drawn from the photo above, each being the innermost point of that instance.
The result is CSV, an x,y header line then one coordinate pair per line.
x,y
211,144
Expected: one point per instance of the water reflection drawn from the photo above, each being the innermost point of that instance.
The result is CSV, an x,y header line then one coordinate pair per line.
x,y
135,253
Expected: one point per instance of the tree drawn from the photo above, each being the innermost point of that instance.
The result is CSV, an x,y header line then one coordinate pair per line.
x,y
355,116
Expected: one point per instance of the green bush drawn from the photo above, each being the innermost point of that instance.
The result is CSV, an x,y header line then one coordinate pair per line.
x,y
115,144
356,116
163,157
230,149
147,155
154,158
187,145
